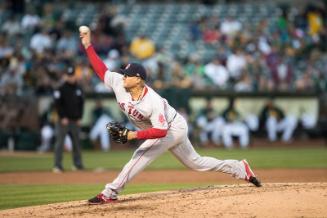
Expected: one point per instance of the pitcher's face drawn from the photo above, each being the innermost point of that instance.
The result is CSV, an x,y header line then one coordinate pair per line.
x,y
131,81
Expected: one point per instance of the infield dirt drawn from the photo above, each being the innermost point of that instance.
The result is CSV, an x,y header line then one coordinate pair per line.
x,y
280,196
272,200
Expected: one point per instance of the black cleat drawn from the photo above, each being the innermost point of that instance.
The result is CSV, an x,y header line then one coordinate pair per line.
x,y
101,199
255,181
250,177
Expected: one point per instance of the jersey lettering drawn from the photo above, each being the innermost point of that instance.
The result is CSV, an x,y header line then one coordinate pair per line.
x,y
135,113
130,108
122,106
131,111
140,117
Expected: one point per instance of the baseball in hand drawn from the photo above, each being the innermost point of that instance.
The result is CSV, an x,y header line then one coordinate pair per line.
x,y
84,29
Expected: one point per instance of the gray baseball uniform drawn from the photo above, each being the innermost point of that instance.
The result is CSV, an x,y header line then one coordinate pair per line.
x,y
153,111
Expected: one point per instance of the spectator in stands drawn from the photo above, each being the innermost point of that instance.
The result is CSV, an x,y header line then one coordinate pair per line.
x,y
260,75
195,30
113,60
283,77
315,22
84,75
56,31
6,51
41,41
275,120
152,67
211,125
102,42
147,55
305,82
30,21
43,81
104,23
234,126
282,26
11,82
69,103
230,27
217,73
320,79
11,26
195,70
280,69
297,39
263,44
142,47
211,34
236,63
118,23
101,117
244,84
163,78
179,78
159,68
67,45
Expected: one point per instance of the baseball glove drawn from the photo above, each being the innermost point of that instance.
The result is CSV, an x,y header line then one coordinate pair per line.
x,y
118,132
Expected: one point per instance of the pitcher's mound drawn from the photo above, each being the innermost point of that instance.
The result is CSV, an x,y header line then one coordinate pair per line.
x,y
271,200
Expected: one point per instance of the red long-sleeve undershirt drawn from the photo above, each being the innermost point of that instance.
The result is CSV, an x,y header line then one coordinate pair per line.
x,y
151,133
100,69
97,64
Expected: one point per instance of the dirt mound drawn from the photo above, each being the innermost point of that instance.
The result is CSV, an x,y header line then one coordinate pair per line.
x,y
272,200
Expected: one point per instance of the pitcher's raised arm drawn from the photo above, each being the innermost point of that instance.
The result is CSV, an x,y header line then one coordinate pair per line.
x,y
97,64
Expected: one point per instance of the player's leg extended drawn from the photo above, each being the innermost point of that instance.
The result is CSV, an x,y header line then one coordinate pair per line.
x,y
141,158
186,154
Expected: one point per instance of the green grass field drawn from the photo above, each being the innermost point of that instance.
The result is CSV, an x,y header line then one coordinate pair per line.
x,y
115,160
13,196
24,195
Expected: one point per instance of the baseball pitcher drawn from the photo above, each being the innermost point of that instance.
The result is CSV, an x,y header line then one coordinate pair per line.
x,y
159,125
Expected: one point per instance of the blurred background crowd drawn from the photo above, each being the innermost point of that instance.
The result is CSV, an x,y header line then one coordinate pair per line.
x,y
234,46
237,46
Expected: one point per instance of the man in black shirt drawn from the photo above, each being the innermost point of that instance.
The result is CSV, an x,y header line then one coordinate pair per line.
x,y
69,104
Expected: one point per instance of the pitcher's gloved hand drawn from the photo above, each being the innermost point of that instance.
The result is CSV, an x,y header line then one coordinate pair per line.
x,y
118,132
